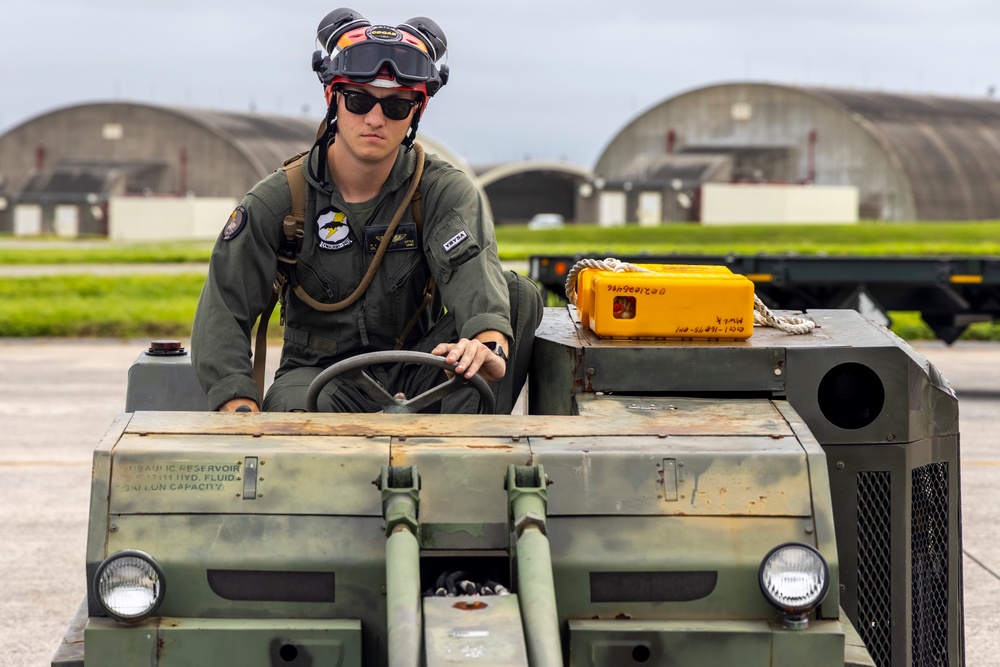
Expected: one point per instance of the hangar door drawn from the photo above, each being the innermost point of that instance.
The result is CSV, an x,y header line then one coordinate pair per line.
x,y
611,209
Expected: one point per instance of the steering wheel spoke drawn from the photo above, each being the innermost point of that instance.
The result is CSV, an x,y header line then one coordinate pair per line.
x,y
353,369
373,389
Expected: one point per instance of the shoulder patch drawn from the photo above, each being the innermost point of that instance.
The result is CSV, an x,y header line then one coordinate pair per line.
x,y
450,244
237,221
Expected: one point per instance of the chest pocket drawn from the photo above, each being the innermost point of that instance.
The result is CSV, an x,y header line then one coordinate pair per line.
x,y
317,282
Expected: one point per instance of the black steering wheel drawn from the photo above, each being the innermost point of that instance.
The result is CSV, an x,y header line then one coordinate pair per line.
x,y
353,368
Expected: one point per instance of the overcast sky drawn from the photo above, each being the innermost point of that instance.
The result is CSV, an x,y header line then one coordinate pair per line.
x,y
530,79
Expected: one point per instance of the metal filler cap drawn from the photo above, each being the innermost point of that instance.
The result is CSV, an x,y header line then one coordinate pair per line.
x,y
165,348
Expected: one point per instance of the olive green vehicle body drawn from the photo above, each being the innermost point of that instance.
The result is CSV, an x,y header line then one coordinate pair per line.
x,y
628,513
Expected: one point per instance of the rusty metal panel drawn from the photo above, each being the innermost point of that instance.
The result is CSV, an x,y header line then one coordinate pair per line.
x,y
654,415
182,642
474,631
198,474
320,429
605,642
917,400
100,489
715,476
463,503
347,551
728,549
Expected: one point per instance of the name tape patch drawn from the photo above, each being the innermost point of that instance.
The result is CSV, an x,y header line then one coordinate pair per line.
x,y
404,238
450,244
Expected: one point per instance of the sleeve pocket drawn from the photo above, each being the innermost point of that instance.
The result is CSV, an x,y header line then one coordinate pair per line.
x,y
449,247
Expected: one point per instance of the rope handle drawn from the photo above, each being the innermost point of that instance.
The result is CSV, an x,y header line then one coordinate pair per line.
x,y
762,315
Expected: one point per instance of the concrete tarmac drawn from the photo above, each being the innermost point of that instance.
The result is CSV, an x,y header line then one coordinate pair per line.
x,y
57,397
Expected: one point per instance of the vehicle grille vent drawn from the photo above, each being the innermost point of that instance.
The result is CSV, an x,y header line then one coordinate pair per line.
x,y
929,562
875,565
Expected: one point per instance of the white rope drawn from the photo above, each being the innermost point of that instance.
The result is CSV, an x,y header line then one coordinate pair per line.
x,y
762,315
791,324
609,264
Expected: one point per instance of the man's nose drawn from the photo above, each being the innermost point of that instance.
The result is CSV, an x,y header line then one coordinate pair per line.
x,y
375,117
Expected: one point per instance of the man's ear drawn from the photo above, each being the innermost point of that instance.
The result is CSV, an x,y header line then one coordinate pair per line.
x,y
328,94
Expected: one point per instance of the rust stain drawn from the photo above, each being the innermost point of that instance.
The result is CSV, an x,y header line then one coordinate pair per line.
x,y
470,606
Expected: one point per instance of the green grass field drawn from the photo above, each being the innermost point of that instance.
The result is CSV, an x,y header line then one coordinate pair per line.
x,y
152,306
518,242
870,239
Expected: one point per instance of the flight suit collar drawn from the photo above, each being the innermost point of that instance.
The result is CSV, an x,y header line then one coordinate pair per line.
x,y
401,172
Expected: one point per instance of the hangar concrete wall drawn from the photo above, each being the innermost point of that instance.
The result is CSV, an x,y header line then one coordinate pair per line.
x,y
168,218
740,203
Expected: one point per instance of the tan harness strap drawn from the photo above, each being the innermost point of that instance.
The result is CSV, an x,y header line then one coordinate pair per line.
x,y
292,230
417,210
379,254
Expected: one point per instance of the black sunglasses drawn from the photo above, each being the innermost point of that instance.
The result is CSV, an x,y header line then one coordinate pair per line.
x,y
393,108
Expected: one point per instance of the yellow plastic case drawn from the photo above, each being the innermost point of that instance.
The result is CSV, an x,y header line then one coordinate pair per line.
x,y
585,281
672,301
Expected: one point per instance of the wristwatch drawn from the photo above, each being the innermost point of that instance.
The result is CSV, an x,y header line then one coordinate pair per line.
x,y
496,348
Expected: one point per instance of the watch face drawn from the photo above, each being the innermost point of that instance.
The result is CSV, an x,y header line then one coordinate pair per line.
x,y
496,349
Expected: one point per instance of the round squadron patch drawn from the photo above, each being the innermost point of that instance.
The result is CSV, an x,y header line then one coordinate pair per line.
x,y
237,221
333,230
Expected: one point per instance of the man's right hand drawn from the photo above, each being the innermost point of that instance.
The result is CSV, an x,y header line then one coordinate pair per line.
x,y
231,406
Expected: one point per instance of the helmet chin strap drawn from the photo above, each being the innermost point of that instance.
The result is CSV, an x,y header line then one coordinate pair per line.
x,y
411,134
323,143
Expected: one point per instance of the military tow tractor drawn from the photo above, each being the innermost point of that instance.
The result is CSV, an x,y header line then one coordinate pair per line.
x,y
774,499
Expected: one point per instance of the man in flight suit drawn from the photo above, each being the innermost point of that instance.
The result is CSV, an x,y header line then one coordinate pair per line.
x,y
359,174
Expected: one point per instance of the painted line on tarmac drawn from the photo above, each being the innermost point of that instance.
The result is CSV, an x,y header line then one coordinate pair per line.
x,y
981,564
19,464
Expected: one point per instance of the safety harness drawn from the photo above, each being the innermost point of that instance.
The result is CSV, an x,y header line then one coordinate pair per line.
x,y
293,231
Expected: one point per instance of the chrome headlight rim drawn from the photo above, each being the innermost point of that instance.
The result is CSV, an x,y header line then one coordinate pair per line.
x,y
816,601
160,591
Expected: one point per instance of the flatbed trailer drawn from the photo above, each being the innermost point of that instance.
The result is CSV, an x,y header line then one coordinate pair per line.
x,y
949,292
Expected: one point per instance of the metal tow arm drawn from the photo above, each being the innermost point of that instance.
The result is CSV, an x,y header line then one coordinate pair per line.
x,y
400,487
535,584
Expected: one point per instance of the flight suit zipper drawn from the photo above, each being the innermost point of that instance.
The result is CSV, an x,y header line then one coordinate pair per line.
x,y
319,278
362,323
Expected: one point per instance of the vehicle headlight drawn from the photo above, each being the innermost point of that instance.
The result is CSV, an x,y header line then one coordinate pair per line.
x,y
129,585
794,578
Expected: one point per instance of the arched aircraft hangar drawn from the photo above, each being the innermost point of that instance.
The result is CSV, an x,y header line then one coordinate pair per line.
x,y
68,163
910,157
519,190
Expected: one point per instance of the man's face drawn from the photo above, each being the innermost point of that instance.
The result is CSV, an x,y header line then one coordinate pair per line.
x,y
371,137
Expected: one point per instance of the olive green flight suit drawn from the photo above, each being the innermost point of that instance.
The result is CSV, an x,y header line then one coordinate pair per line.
x,y
458,246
